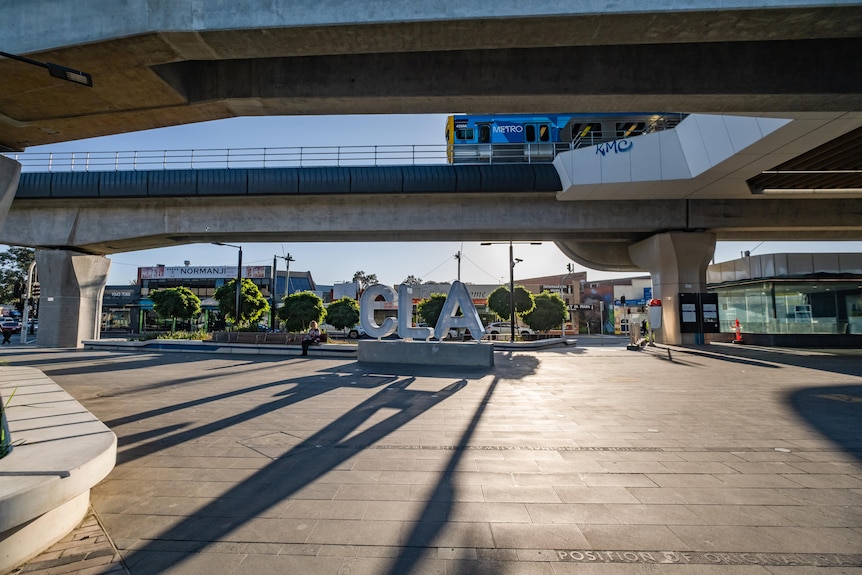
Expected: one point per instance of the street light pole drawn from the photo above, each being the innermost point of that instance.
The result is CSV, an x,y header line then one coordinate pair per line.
x,y
512,262
272,278
238,278
511,293
570,268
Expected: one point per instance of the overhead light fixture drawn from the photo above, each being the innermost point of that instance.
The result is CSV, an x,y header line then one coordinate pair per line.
x,y
56,70
810,191
798,172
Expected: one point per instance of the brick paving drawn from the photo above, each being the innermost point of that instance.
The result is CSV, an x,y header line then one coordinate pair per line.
x,y
710,459
86,551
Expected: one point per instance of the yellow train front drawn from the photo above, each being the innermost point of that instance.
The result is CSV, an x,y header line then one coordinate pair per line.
x,y
532,138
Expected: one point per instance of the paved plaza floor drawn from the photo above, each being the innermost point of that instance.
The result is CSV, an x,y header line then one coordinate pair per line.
x,y
586,459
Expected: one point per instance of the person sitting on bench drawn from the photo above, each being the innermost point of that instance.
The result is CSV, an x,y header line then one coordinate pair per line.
x,y
311,337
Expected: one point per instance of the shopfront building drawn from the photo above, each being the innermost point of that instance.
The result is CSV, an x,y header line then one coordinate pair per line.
x,y
791,298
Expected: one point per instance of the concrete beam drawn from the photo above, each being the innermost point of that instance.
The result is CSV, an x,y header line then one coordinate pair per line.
x,y
157,63
137,224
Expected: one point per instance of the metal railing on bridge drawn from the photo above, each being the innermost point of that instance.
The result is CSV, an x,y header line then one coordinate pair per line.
x,y
295,157
223,158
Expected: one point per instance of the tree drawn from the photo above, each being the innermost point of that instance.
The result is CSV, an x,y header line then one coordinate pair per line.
x,y
429,309
343,313
498,301
252,303
300,309
176,303
412,281
14,265
365,280
550,312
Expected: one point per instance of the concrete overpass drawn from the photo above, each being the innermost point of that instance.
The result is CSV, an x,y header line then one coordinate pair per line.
x,y
164,63
159,63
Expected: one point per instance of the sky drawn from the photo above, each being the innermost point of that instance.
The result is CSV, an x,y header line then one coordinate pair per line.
x,y
331,263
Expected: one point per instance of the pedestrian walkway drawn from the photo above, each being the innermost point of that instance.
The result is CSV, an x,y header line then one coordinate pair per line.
x,y
86,551
741,458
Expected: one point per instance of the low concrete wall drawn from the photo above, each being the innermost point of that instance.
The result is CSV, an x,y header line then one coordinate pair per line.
x,y
462,354
196,346
45,481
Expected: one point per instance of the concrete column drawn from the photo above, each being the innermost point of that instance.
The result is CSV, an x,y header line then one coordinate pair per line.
x,y
70,304
677,262
10,172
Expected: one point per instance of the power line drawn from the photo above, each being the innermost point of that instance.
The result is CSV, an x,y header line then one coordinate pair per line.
x,y
496,279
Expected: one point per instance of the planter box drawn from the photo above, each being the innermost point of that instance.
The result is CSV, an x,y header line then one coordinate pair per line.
x,y
260,337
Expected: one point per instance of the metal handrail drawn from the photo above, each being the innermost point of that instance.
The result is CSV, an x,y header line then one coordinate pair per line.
x,y
299,157
133,160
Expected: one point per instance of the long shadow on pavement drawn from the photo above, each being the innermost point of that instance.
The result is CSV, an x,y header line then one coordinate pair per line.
x,y
296,468
835,411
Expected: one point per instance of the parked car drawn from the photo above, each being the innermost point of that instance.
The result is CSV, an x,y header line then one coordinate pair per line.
x,y
504,328
454,333
10,323
354,332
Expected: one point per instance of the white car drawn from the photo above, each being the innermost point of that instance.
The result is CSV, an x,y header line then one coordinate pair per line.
x,y
504,328
354,332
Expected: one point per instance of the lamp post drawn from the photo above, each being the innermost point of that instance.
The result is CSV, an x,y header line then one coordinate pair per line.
x,y
570,268
56,70
512,261
238,278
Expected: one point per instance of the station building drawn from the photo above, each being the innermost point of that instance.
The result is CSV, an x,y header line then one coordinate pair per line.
x,y
810,299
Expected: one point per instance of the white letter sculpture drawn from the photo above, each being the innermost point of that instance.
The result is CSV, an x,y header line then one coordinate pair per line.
x,y
458,297
366,311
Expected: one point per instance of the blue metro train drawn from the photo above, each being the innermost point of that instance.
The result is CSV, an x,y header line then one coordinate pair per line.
x,y
540,137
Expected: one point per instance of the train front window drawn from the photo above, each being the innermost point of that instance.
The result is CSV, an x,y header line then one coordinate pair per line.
x,y
544,133
530,133
464,134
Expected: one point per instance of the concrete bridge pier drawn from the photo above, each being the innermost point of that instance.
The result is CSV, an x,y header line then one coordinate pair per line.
x,y
70,306
677,262
10,172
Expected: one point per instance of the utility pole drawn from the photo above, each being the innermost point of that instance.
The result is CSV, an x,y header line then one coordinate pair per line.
x,y
272,278
288,258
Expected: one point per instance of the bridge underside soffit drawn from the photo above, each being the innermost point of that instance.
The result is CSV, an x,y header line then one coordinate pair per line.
x,y
595,231
835,165
583,62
